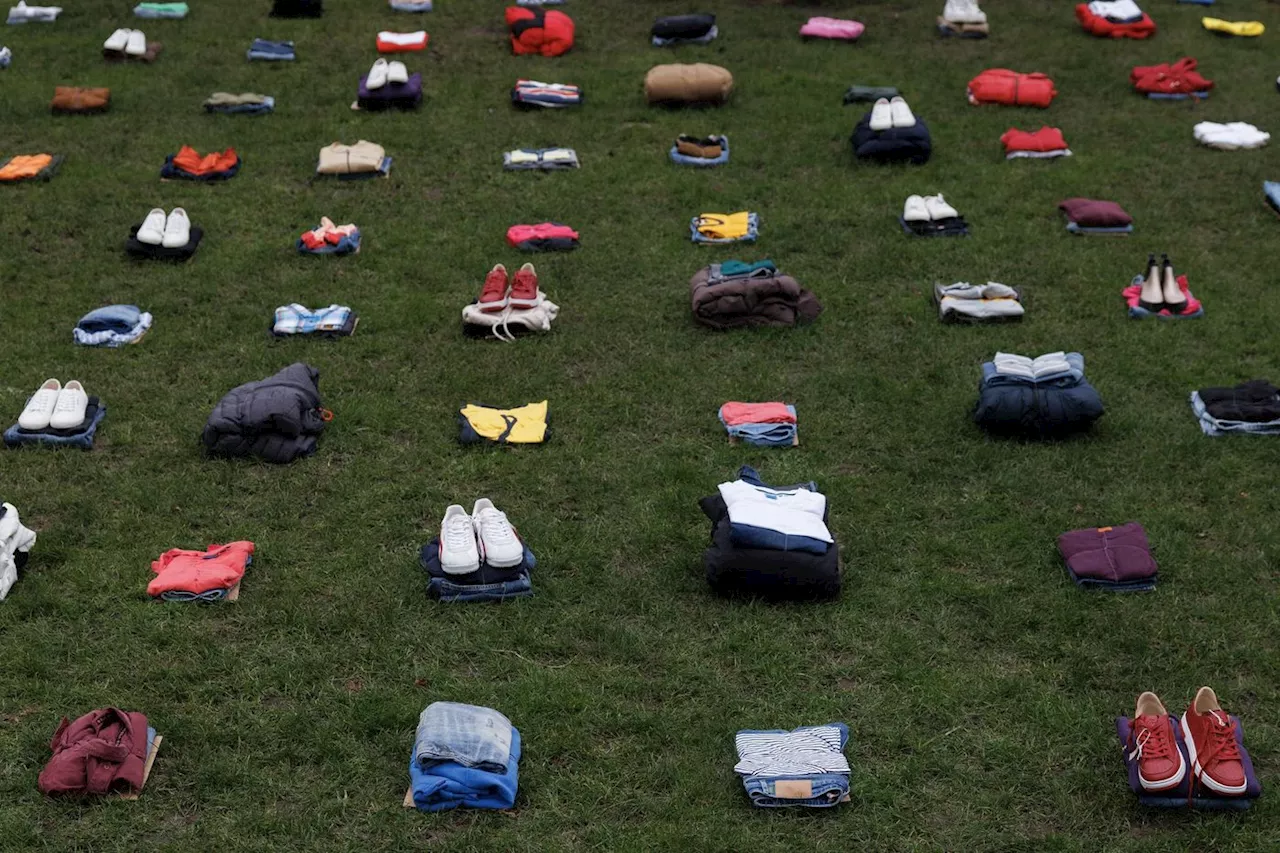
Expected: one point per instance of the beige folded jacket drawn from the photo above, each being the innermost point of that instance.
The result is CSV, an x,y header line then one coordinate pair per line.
x,y
339,159
700,83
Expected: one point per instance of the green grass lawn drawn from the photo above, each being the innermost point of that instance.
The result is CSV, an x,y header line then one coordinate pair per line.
x,y
978,684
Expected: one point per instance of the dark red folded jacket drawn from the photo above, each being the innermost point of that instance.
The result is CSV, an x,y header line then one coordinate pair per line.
x,y
543,237
1100,26
1044,139
1116,554
102,752
535,31
1180,78
1095,214
1002,86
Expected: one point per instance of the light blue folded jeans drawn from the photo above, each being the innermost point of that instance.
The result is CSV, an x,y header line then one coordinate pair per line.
x,y
828,789
470,735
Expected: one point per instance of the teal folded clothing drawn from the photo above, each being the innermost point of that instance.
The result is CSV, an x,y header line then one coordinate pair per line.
x,y
161,10
739,269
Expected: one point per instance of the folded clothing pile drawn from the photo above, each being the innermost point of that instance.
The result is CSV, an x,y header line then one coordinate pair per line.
x,y
483,583
276,419
126,44
15,547
24,14
770,542
210,575
74,99
480,424
715,228
698,83
29,167
535,93
103,752
1047,397
931,216
1112,558
858,94
411,5
992,302
1117,19
684,29
145,250
402,96
1271,194
392,42
892,145
6,56
1171,82
362,160
112,326
700,151
1231,136
1011,88
1043,144
297,9
1217,26
189,165
1250,407
271,51
69,432
1192,789
330,239
161,10
1091,216
1191,308
802,767
540,32
963,29
543,237
760,424
544,159
463,755
836,29
335,321
509,307
734,295
247,102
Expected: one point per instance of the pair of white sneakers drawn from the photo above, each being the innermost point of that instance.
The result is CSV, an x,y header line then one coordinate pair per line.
x,y
383,72
963,12
891,113
172,231
131,42
929,208
55,406
483,536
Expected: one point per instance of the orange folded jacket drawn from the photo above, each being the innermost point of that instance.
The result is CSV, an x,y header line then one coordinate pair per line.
x,y
189,160
220,567
73,99
25,166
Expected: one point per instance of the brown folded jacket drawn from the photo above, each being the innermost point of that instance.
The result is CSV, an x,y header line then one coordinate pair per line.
x,y
689,84
73,99
767,300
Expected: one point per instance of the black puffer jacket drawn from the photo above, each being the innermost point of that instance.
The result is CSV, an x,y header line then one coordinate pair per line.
x,y
277,419
897,144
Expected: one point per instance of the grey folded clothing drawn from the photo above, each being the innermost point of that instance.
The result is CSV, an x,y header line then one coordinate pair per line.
x,y
990,302
868,94
470,735
547,159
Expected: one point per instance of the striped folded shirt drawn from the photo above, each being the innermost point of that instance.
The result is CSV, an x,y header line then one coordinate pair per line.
x,y
806,751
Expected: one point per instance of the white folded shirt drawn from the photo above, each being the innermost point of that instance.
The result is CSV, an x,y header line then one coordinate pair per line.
x,y
1009,364
1236,134
403,39
793,512
1116,10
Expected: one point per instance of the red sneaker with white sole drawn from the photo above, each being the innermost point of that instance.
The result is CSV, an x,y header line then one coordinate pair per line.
x,y
524,289
1210,735
493,296
1160,762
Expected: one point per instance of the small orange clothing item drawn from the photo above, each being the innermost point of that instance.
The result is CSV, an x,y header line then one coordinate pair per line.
x,y
73,99
25,166
1002,86
189,160
219,567
535,31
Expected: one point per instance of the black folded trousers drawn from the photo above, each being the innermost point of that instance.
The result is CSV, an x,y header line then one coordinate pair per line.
x,y
297,9
683,26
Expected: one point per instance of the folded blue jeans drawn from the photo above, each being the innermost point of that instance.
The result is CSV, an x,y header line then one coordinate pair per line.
x,y
827,789
111,318
470,735
449,785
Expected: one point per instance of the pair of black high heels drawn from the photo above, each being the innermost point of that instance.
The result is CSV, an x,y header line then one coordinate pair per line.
x,y
1160,290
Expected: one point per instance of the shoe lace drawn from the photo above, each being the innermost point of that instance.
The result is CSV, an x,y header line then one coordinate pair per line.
x,y
1152,742
65,403
502,329
458,532
1223,739
495,527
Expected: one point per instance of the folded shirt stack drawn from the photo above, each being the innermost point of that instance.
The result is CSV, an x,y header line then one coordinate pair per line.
x,y
411,5
112,326
1171,82
74,99
29,167
1132,296
391,42
463,755
334,321
770,542
151,251
734,295
1091,216
760,424
802,767
161,10
684,29
213,574
509,323
544,159
543,237
1191,792
401,96
534,93
1110,558
271,51
352,162
16,542
1115,19
834,29
1230,136
330,239
700,151
717,228
992,302
1250,407
487,583
250,103
1047,397
1271,194
104,752
490,425
1043,144
23,14
189,165
79,436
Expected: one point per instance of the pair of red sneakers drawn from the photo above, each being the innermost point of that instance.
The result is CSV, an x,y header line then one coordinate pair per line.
x,y
1210,737
499,293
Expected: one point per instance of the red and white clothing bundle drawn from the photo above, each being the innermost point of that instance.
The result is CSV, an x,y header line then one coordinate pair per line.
x,y
1115,19
389,42
1043,144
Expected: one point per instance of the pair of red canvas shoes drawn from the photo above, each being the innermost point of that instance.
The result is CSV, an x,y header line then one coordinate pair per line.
x,y
519,293
1210,737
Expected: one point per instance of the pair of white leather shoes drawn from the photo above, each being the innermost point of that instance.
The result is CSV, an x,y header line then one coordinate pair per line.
x,y
172,232
384,72
55,406
929,208
131,42
886,114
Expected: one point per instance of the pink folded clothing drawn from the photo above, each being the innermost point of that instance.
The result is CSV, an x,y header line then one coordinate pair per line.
x,y
1108,555
832,28
735,414
1095,214
543,237
389,42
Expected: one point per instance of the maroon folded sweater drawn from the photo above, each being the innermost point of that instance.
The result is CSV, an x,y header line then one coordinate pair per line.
x,y
1095,214
101,752
1108,553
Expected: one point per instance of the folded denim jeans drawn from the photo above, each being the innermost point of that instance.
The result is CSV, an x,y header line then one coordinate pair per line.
x,y
816,792
470,735
449,785
1214,426
107,328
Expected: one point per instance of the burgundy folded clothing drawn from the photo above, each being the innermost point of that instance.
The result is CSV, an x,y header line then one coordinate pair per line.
x,y
1092,213
1108,553
408,94
101,752
1188,793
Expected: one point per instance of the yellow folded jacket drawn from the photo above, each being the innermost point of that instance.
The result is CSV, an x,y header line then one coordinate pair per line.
x,y
523,425
1233,28
724,226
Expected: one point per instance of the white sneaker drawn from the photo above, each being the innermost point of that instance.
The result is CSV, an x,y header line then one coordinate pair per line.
x,y
881,115
377,75
914,210
71,406
40,407
118,40
397,73
499,545
900,113
152,230
458,552
963,12
938,208
177,229
137,45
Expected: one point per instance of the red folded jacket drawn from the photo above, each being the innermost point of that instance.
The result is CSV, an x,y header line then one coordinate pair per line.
x,y
1100,26
734,414
1044,139
389,42
189,160
518,234
101,752
1002,86
537,31
220,567
1180,78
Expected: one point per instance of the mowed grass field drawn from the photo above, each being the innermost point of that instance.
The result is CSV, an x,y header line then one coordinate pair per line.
x,y
978,683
